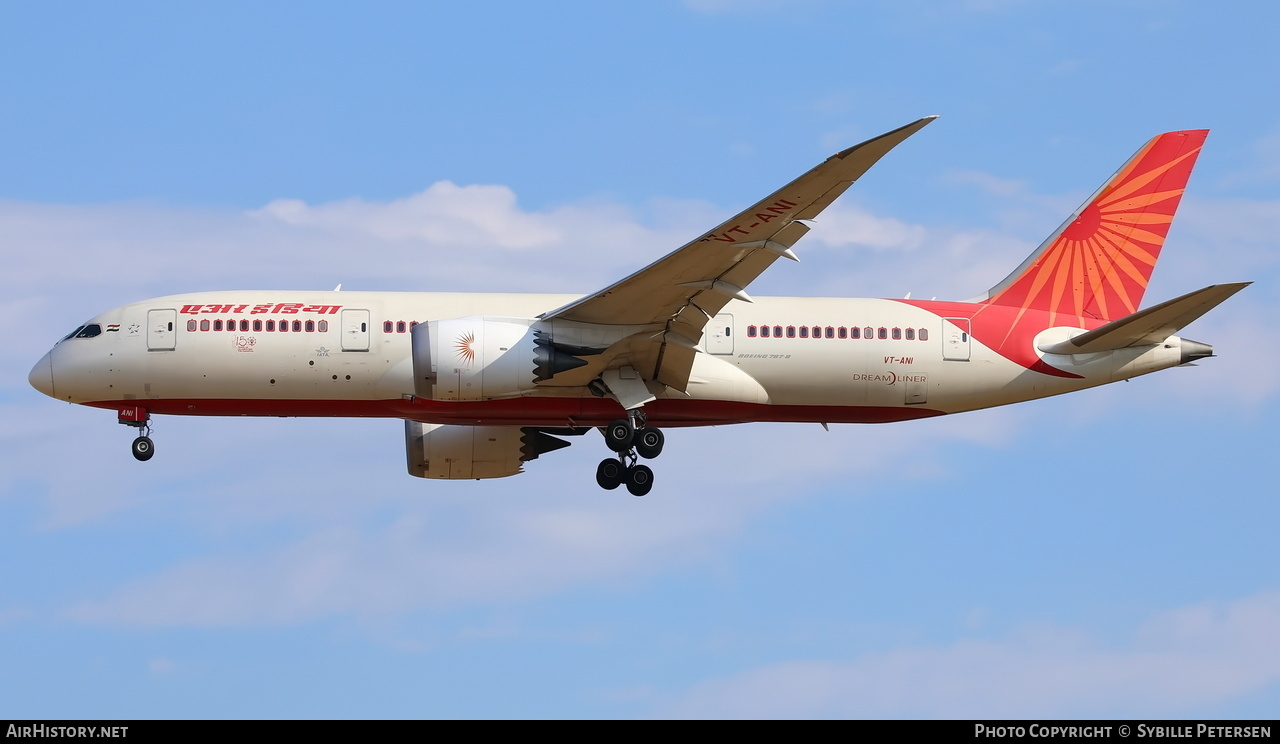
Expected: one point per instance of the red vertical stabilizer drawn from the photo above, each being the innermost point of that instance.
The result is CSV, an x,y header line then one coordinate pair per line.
x,y
1098,263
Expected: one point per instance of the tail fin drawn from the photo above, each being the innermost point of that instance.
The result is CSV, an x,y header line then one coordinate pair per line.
x,y
1098,263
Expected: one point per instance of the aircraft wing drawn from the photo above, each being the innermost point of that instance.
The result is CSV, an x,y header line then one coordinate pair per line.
x,y
679,293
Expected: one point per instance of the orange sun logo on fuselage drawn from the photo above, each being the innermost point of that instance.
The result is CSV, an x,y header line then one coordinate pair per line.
x,y
463,347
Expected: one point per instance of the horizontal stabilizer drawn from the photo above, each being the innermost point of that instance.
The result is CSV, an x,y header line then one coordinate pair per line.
x,y
1150,326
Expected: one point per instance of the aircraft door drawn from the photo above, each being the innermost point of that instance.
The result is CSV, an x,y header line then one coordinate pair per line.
x,y
162,330
955,339
719,334
355,330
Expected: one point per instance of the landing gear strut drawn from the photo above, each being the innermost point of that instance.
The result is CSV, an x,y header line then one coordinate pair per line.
x,y
632,439
143,447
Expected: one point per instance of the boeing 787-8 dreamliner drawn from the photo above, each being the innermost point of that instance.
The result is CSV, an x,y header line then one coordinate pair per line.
x,y
486,382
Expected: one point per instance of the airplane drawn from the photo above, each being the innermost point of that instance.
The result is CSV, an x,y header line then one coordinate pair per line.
x,y
488,382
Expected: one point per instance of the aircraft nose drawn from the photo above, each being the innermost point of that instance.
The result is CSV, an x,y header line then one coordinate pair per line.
x,y
41,376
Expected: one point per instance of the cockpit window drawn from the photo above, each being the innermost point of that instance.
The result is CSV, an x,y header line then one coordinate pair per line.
x,y
69,335
88,330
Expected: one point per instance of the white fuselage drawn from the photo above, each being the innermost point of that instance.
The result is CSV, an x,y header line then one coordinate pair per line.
x,y
350,354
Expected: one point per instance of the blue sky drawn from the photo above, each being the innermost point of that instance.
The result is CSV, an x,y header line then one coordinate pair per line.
x,y
1110,553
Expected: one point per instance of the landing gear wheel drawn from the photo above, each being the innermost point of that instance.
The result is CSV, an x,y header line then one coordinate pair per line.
x,y
649,442
639,480
618,435
143,449
609,474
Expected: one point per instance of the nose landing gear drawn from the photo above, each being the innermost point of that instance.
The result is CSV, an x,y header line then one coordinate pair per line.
x,y
632,439
143,447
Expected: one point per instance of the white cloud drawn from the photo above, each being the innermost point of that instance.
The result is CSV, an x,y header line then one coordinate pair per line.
x,y
1067,67
1178,660
1227,239
989,183
444,215
853,225
947,263
453,545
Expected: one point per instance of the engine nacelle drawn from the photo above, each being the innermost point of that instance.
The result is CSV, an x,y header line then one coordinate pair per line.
x,y
482,357
472,452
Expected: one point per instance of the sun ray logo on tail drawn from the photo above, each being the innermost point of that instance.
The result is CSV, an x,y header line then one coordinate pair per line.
x,y
1098,264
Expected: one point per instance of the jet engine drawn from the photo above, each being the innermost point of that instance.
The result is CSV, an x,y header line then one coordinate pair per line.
x,y
452,452
482,357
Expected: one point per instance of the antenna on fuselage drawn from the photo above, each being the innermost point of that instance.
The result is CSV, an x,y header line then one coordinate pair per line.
x,y
338,288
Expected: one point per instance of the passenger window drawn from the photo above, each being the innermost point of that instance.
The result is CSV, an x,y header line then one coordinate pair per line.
x,y
843,332
855,333
751,331
804,332
323,326
924,334
204,325
897,334
191,325
882,333
911,334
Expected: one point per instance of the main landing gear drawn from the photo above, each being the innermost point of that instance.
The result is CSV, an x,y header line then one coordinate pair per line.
x,y
632,439
143,447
